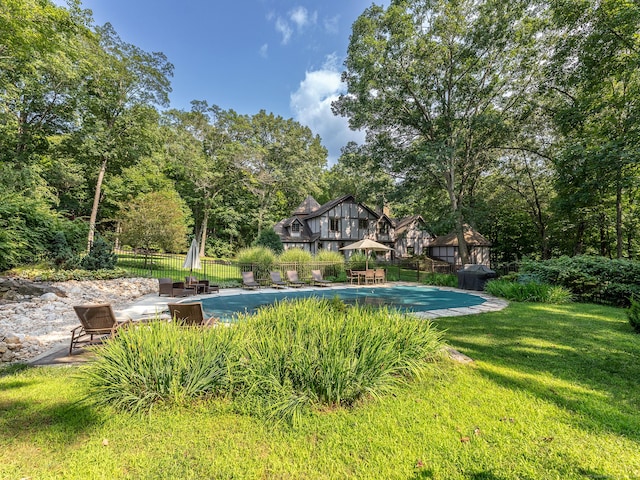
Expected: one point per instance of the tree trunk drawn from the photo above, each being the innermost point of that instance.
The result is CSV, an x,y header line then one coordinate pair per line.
x,y
463,252
96,203
203,237
619,234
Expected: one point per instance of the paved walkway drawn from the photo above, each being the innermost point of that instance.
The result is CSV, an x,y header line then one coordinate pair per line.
x,y
152,305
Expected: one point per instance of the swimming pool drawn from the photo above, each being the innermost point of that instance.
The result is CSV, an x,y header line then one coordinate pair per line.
x,y
403,297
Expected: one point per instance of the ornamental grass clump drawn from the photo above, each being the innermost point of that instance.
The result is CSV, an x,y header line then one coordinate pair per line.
x,y
316,353
161,362
532,291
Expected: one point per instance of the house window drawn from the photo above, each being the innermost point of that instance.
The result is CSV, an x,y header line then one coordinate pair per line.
x,y
334,225
363,223
295,227
383,228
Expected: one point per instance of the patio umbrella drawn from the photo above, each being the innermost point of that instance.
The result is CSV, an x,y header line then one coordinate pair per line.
x,y
193,257
367,245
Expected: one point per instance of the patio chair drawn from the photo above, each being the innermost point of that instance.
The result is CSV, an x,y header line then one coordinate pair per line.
x,y
294,281
95,320
179,289
276,280
165,286
190,314
369,276
205,287
248,281
379,275
316,279
352,276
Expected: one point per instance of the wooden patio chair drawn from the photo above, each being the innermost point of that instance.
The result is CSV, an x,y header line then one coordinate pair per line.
x,y
96,320
276,280
316,279
190,314
165,286
369,276
294,281
248,281
379,276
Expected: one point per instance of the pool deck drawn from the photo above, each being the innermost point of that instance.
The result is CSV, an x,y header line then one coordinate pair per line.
x,y
152,305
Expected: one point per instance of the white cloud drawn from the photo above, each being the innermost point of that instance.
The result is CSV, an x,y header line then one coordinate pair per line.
x,y
331,24
311,106
301,17
264,50
283,27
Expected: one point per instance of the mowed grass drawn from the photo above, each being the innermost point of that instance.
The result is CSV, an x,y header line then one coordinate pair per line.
x,y
553,393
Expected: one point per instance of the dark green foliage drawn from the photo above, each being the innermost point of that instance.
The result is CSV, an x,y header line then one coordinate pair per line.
x,y
270,239
440,279
100,257
61,254
358,261
589,278
633,314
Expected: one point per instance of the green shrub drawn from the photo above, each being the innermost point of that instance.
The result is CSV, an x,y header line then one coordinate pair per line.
x,y
332,264
50,275
296,259
161,362
589,278
440,279
270,239
61,254
633,314
258,259
528,292
358,261
286,359
313,353
100,256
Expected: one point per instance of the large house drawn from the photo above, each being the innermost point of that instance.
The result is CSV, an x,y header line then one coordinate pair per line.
x,y
337,223
342,221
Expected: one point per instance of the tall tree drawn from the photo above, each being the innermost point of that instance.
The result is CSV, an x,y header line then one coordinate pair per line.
x,y
118,117
594,86
436,84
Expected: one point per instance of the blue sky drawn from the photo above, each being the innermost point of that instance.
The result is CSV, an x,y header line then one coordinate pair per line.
x,y
280,56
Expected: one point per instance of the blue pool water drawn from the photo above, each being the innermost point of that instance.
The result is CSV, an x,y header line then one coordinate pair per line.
x,y
406,298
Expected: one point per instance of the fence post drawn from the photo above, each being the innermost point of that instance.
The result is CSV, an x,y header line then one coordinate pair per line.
x,y
418,272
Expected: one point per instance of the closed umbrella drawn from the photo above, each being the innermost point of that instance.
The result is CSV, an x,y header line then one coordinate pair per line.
x,y
193,257
367,245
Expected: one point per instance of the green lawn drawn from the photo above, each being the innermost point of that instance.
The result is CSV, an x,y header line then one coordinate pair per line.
x,y
554,393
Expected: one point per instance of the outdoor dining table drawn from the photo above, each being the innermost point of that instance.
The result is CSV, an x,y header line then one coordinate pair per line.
x,y
360,274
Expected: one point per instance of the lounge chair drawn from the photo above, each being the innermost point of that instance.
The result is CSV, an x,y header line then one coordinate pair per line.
x,y
248,281
276,280
379,275
190,314
165,286
294,281
95,320
316,279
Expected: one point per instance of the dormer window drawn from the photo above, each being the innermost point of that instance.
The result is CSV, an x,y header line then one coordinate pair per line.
x,y
295,227
383,228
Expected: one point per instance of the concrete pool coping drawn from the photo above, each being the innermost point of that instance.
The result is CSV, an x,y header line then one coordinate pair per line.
x,y
152,305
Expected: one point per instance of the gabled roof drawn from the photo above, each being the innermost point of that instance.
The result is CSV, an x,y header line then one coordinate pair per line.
x,y
471,236
402,224
305,233
307,206
337,201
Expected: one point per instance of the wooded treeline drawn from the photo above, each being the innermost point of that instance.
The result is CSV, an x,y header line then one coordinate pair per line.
x,y
520,118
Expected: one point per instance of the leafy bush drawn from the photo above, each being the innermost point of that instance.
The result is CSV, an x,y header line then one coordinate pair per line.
x,y
440,279
528,292
358,261
332,264
258,259
284,360
297,259
270,239
590,279
100,256
161,362
633,314
218,248
61,254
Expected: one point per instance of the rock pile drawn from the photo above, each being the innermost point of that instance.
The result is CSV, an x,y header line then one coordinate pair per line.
x,y
35,316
